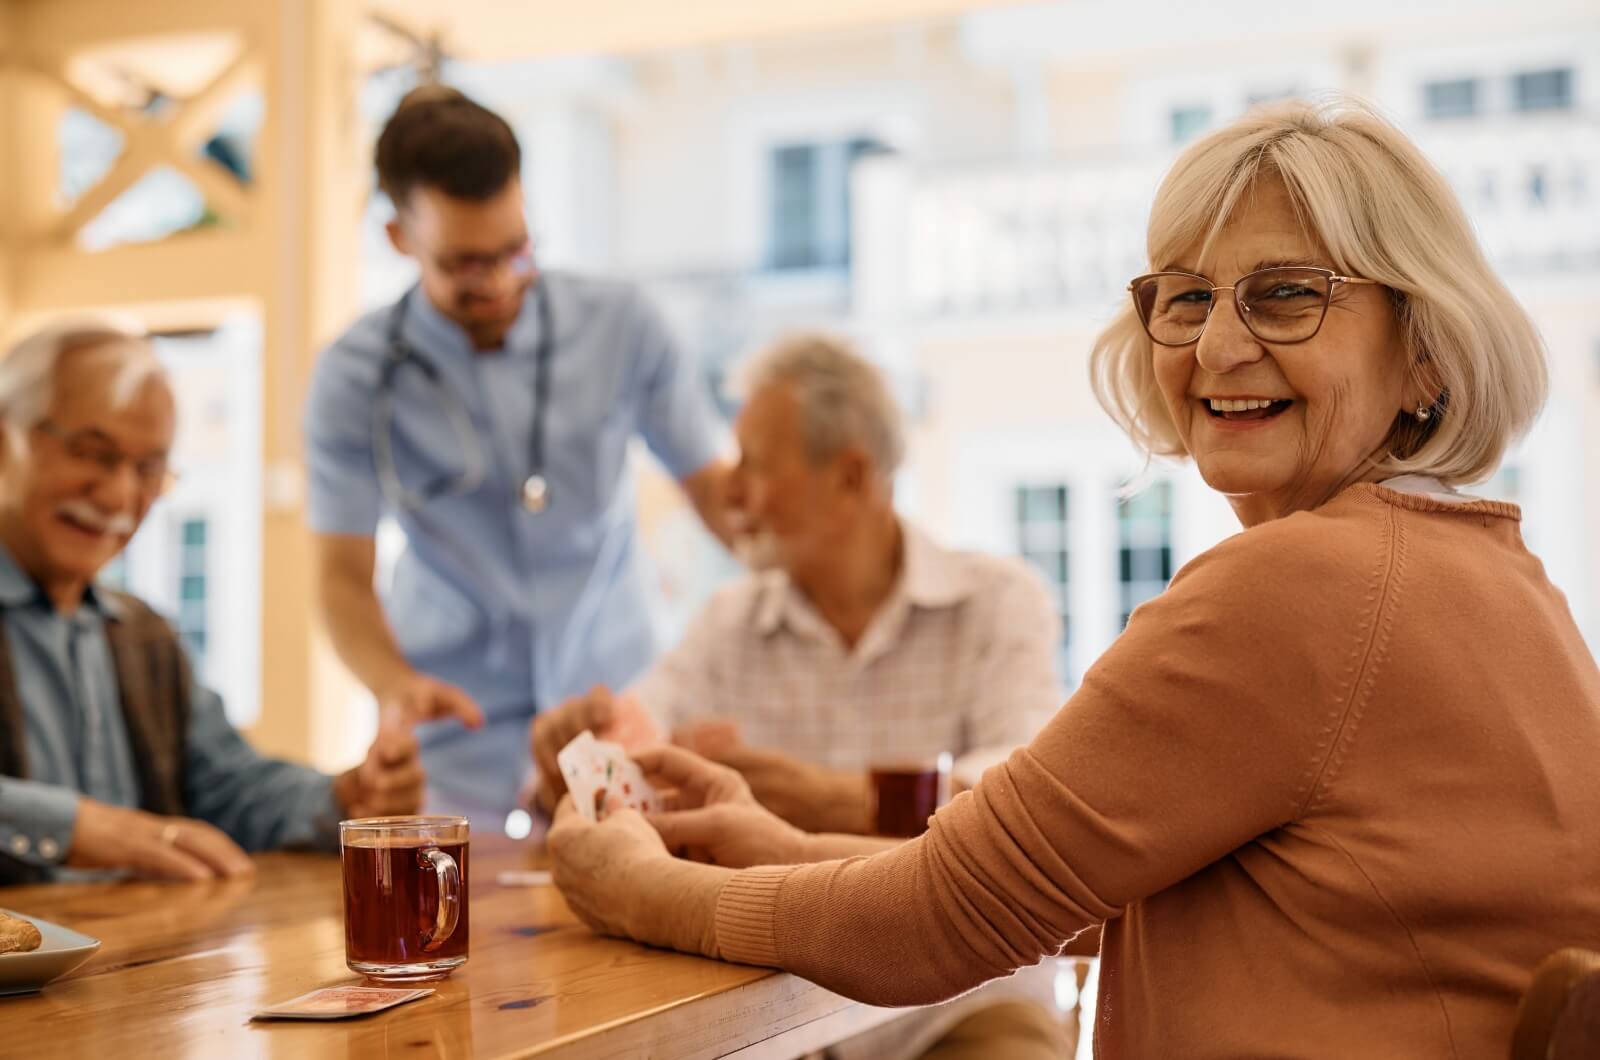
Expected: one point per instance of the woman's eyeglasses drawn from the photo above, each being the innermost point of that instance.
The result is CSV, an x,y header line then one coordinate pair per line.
x,y
1278,305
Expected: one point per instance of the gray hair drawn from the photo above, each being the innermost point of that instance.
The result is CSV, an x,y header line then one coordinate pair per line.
x,y
28,370
843,397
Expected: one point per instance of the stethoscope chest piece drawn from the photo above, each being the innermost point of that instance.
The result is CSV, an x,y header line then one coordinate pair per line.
x,y
535,493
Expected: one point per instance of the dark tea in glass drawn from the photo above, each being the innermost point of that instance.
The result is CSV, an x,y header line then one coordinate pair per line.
x,y
906,794
405,896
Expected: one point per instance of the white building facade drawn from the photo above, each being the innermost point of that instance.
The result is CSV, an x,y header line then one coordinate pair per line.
x,y
967,198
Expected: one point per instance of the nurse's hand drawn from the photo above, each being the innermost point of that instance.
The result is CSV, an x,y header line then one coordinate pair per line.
x,y
619,719
418,697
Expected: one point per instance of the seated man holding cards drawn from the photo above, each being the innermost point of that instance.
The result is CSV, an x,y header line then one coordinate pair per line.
x,y
112,758
857,643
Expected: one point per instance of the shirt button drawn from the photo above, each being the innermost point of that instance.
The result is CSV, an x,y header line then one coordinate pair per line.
x,y
49,849
19,845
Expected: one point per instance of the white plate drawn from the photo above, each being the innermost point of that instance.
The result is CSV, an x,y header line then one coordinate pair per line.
x,y
61,951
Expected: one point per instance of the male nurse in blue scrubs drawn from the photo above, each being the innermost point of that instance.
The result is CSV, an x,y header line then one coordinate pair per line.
x,y
490,411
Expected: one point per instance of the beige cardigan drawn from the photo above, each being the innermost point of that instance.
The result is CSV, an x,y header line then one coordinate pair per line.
x,y
1335,794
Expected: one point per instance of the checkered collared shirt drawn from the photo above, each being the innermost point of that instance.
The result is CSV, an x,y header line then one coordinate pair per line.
x,y
960,658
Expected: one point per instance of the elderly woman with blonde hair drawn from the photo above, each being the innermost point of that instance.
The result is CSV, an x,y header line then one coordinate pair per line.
x,y
1334,793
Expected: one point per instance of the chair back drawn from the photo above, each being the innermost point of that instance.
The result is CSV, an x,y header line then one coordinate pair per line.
x,y
1559,1018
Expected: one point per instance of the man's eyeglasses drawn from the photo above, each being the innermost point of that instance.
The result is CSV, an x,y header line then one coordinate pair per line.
x,y
1278,305
475,268
93,451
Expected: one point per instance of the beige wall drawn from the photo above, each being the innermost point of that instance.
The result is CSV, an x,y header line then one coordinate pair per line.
x,y
10,147
995,378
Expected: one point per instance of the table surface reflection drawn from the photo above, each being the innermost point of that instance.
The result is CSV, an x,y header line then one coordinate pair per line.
x,y
183,966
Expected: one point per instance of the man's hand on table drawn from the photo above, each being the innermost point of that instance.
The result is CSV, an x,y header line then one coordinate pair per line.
x,y
619,719
811,797
163,848
390,781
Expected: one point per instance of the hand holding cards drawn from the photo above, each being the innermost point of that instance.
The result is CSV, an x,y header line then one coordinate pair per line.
x,y
597,772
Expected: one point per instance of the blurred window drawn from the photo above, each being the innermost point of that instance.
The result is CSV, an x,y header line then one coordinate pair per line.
x,y
1457,98
1144,545
1542,89
192,588
811,203
1189,122
1043,512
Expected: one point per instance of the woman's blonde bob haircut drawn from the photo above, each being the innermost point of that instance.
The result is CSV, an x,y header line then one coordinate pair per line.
x,y
1382,212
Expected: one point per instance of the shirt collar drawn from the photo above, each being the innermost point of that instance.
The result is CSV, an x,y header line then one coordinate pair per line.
x,y
104,601
1426,486
435,333
931,577
18,589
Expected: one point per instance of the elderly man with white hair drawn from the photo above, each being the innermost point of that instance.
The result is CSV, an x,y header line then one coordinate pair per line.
x,y
112,757
857,641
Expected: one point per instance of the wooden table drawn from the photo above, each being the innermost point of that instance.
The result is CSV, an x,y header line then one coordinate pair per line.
x,y
183,966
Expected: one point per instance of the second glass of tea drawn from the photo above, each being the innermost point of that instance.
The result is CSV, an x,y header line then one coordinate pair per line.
x,y
907,793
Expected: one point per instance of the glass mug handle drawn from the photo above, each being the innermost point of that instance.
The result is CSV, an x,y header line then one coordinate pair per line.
x,y
449,874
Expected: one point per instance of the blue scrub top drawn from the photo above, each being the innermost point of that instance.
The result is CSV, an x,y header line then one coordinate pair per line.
x,y
521,609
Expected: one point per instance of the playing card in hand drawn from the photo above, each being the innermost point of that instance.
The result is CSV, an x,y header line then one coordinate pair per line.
x,y
595,771
635,792
583,772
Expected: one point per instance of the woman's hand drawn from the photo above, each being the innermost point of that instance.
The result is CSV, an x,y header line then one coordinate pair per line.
x,y
713,817
605,869
618,878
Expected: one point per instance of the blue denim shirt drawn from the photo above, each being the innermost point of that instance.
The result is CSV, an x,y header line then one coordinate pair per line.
x,y
77,742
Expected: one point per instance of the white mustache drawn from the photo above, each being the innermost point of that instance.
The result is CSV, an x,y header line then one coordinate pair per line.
x,y
81,511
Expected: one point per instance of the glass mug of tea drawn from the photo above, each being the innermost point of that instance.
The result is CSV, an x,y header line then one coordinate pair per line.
x,y
405,896
906,793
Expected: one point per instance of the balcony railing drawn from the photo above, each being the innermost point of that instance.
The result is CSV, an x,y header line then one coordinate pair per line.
x,y
1024,238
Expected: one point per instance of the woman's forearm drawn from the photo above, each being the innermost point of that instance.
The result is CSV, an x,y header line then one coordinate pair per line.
x,y
833,846
677,907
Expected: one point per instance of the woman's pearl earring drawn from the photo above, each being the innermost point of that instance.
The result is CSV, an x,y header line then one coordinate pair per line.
x,y
1423,414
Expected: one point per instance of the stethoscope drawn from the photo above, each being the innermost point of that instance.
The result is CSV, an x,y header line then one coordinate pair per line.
x,y
535,488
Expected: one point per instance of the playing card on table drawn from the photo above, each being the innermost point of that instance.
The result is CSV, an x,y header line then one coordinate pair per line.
x,y
339,1002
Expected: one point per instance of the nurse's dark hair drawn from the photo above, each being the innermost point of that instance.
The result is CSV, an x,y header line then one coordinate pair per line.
x,y
440,138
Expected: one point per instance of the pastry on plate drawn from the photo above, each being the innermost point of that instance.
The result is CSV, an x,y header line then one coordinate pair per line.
x,y
18,936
